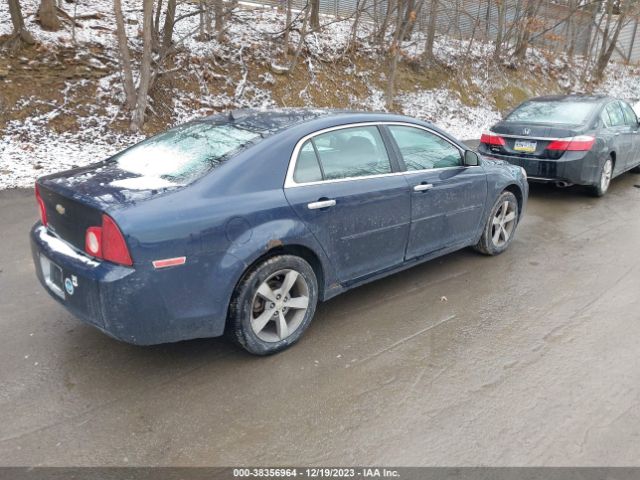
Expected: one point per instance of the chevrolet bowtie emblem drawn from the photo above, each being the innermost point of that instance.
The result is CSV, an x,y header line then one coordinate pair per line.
x,y
60,209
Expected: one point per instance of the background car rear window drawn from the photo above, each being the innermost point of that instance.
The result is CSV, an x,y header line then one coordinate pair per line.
x,y
185,153
351,152
422,150
564,113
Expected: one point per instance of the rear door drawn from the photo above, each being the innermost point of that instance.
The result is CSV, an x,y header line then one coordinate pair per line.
x,y
622,136
447,198
634,131
346,187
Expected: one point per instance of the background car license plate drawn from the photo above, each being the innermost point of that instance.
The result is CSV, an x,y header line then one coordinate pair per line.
x,y
525,146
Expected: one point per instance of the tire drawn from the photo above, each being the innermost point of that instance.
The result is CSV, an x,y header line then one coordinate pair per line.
x,y
260,293
498,232
602,187
635,169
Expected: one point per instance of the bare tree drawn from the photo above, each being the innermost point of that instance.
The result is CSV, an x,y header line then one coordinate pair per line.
x,y
48,15
145,68
169,22
125,57
314,19
396,49
20,33
611,33
431,31
500,31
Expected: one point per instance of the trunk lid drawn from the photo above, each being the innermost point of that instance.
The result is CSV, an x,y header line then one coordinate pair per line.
x,y
75,200
531,140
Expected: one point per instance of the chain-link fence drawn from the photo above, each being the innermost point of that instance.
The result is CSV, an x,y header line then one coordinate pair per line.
x,y
557,26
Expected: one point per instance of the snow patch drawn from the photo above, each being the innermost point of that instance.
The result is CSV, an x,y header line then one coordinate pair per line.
x,y
63,248
143,183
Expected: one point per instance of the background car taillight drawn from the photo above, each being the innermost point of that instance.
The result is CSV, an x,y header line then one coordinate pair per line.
x,y
43,211
491,139
107,242
582,143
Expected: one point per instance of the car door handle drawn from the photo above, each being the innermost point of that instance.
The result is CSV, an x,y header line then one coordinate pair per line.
x,y
422,187
321,204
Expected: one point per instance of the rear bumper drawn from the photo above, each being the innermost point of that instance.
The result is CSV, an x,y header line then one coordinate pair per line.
x,y
132,305
574,167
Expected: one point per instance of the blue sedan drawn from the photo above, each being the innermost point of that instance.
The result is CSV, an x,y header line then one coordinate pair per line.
x,y
244,222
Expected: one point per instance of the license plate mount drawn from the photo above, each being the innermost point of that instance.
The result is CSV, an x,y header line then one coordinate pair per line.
x,y
53,276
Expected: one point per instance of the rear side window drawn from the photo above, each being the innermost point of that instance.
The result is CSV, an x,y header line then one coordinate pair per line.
x,y
307,166
629,115
560,112
616,116
345,153
422,150
185,153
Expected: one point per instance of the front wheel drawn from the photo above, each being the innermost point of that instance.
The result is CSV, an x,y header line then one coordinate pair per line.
x,y
273,305
606,173
501,225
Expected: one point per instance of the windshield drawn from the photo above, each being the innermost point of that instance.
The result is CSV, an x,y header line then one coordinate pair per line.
x,y
181,155
560,112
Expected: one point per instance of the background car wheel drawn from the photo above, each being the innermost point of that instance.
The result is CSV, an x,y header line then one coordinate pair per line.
x,y
501,225
606,173
273,305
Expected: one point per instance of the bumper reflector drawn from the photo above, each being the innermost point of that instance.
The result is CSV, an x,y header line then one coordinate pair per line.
x,y
169,262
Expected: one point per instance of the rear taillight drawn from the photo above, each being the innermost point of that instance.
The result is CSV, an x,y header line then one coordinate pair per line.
x,y
43,211
107,242
490,138
582,143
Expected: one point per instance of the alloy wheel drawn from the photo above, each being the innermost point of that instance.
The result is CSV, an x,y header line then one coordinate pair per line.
x,y
504,223
605,179
279,305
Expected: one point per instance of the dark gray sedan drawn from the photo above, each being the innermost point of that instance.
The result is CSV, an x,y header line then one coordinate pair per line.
x,y
581,140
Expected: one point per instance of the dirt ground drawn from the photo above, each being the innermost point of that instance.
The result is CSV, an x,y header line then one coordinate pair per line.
x,y
529,358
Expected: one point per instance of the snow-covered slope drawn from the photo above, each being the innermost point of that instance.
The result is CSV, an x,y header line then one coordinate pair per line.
x,y
30,147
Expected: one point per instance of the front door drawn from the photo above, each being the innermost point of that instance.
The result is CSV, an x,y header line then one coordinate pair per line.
x,y
631,121
447,198
350,197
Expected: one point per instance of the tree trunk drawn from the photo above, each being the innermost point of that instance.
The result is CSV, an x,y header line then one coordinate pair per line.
x,y
502,17
431,31
605,55
314,20
145,67
48,15
219,13
17,19
125,58
169,21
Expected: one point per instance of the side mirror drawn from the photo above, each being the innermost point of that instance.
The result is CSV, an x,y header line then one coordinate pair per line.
x,y
471,159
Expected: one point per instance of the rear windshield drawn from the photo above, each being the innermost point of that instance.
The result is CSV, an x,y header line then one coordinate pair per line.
x,y
183,154
566,113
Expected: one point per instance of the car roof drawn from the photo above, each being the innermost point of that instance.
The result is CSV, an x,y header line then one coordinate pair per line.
x,y
572,98
278,119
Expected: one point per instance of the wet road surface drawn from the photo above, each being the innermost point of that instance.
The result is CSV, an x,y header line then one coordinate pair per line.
x,y
532,359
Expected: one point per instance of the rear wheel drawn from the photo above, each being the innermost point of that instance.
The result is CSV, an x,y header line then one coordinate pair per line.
x,y
273,305
606,173
636,169
501,225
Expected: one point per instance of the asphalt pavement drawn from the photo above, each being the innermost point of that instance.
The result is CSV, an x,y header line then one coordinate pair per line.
x,y
528,358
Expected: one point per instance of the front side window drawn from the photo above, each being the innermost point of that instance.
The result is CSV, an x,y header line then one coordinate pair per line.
x,y
352,152
615,114
629,115
422,150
